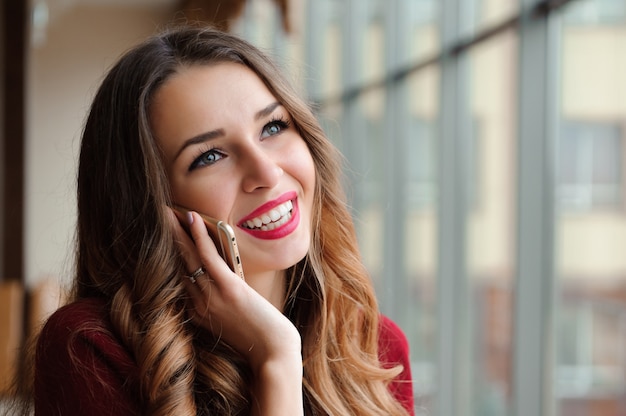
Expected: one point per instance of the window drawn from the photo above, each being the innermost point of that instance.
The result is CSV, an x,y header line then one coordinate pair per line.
x,y
425,99
590,169
420,163
591,346
591,12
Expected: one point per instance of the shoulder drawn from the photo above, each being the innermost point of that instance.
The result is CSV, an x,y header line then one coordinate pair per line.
x,y
76,314
80,323
79,330
393,351
80,365
392,341
64,325
390,329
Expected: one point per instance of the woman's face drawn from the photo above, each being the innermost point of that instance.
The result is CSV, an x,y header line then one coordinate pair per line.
x,y
231,152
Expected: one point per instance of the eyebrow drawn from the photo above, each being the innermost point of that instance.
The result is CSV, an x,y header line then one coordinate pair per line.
x,y
203,137
200,138
267,110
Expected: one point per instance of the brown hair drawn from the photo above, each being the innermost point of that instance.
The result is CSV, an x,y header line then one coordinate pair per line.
x,y
127,256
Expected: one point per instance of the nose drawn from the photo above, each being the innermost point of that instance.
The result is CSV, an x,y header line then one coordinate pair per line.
x,y
261,171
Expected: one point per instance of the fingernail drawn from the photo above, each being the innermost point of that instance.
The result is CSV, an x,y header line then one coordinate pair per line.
x,y
189,217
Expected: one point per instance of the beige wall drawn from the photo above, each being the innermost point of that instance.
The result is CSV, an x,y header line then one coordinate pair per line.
x,y
64,71
593,243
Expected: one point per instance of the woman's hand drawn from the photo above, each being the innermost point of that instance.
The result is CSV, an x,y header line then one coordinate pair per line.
x,y
228,307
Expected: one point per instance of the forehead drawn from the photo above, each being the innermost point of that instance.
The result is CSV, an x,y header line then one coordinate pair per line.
x,y
201,98
208,94
223,79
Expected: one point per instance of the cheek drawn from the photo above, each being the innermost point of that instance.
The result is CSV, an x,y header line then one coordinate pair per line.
x,y
305,173
184,191
207,196
303,167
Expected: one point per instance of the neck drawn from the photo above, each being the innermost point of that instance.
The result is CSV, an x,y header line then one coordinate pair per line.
x,y
270,285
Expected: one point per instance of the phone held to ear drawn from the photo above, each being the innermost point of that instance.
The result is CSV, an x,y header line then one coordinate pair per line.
x,y
223,236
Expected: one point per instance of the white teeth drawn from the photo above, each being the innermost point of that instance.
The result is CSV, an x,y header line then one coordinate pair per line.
x,y
275,215
272,219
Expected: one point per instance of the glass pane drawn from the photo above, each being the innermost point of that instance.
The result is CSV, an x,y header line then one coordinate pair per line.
x,y
331,51
418,149
424,28
388,136
417,19
491,197
590,165
591,218
488,13
373,39
367,164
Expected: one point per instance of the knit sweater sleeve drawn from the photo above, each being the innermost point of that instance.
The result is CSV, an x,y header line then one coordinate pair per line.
x,y
81,368
394,350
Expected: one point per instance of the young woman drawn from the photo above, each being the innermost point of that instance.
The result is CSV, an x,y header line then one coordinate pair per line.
x,y
159,324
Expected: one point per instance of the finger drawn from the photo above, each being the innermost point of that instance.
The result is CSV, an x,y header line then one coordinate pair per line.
x,y
186,244
215,267
196,282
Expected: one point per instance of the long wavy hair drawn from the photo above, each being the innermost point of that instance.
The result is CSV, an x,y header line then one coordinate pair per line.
x,y
127,256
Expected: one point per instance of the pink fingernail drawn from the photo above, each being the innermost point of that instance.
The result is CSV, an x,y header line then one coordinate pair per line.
x,y
189,217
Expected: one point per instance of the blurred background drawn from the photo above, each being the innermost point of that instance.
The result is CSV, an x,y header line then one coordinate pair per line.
x,y
485,145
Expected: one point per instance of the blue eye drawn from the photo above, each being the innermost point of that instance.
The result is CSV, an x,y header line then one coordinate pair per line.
x,y
274,127
206,159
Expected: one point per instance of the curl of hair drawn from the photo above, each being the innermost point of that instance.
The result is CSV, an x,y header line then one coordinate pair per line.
x,y
127,255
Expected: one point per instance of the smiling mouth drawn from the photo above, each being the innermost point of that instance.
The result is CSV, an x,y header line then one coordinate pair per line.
x,y
272,219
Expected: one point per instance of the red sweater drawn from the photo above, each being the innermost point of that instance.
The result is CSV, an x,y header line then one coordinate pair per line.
x,y
101,378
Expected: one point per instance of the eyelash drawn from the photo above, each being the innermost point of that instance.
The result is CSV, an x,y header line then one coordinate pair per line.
x,y
203,154
278,121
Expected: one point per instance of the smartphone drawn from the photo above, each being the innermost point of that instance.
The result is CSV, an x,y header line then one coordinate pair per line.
x,y
223,236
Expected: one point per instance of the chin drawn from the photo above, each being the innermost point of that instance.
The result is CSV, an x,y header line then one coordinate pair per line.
x,y
269,261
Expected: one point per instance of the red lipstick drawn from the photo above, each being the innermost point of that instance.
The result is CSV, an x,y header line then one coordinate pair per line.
x,y
274,219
